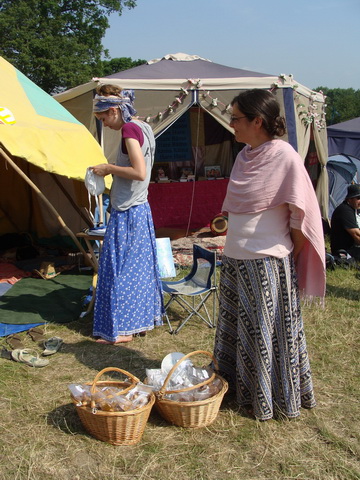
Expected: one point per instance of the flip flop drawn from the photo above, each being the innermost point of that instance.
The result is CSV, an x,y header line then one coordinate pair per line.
x,y
52,345
36,334
24,356
14,341
5,353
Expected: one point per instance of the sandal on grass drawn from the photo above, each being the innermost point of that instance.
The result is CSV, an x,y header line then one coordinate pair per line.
x,y
24,356
52,345
5,353
36,334
14,341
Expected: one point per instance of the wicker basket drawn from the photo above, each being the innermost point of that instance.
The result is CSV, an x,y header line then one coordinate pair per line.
x,y
195,414
117,428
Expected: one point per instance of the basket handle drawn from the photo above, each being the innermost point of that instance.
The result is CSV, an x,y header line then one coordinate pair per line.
x,y
134,380
163,390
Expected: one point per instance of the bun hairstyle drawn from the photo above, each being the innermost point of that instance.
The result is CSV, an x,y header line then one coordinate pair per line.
x,y
262,103
107,90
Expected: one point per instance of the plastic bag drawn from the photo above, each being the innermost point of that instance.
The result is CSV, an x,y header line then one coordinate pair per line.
x,y
94,183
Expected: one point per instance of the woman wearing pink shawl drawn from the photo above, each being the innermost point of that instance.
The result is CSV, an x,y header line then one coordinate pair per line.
x,y
274,253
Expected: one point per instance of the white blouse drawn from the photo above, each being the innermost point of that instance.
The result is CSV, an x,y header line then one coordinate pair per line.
x,y
263,234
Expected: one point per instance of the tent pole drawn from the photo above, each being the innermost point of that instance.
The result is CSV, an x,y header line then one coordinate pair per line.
x,y
73,204
49,205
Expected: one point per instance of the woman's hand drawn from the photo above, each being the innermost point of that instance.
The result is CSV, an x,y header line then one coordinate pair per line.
x,y
102,169
298,240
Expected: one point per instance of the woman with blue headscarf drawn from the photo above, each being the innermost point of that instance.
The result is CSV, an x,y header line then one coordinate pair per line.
x,y
128,294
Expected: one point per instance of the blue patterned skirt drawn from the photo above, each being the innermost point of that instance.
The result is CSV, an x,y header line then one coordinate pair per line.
x,y
128,293
260,342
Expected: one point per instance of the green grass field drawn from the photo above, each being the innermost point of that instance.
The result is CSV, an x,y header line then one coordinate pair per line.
x,y
41,436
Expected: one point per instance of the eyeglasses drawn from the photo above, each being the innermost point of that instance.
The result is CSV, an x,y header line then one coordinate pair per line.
x,y
234,119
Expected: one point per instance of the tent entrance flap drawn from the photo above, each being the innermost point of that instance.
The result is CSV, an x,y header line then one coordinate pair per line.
x,y
176,115
193,143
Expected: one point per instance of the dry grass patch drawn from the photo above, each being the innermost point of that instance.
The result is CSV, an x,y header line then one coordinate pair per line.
x,y
42,437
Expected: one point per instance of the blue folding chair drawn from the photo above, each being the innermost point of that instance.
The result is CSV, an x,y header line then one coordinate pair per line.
x,y
199,284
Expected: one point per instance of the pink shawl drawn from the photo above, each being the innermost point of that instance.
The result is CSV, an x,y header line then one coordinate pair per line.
x,y
271,175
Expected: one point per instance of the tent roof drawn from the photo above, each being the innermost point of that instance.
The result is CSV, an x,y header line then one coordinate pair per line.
x,y
350,128
344,138
198,68
175,70
36,127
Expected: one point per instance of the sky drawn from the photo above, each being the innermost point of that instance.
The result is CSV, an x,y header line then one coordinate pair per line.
x,y
317,41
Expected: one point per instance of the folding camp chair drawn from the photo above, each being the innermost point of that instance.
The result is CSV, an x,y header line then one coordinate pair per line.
x,y
201,283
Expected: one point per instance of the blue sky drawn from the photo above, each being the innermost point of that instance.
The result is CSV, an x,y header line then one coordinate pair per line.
x,y
318,41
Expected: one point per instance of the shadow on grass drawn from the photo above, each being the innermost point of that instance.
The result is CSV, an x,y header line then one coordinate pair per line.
x,y
66,419
84,326
98,356
341,292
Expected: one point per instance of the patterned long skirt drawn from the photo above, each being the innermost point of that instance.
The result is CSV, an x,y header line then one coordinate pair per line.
x,y
128,294
260,342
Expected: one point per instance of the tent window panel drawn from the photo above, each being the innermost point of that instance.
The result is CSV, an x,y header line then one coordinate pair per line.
x,y
174,144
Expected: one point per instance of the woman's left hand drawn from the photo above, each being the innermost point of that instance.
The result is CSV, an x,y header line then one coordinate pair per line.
x,y
299,240
102,169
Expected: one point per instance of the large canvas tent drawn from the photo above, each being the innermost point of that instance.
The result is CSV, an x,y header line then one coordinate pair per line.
x,y
168,88
344,138
44,153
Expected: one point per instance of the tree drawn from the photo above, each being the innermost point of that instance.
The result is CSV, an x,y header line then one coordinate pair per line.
x,y
119,64
56,43
342,104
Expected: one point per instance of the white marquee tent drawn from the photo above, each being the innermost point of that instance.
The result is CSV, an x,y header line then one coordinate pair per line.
x,y
167,88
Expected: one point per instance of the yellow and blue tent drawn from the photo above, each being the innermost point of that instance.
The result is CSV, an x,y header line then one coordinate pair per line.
x,y
44,154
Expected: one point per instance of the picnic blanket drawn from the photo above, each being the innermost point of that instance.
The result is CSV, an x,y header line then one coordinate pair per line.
x,y
34,300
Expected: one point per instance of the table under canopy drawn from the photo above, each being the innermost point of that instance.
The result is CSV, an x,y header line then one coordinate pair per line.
x,y
186,204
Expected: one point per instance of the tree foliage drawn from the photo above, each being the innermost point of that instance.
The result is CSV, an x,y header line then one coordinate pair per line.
x,y
56,43
119,64
342,104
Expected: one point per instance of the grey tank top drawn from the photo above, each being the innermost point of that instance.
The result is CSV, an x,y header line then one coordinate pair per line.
x,y
128,193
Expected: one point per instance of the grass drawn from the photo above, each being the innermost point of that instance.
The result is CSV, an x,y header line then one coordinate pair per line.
x,y
42,437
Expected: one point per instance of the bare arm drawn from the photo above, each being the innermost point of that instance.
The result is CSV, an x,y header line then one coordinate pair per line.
x,y
298,240
137,170
355,233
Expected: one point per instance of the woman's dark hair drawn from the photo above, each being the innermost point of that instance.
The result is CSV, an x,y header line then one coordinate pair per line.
x,y
262,103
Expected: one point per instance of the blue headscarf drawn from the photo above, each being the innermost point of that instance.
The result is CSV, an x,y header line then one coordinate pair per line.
x,y
124,101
